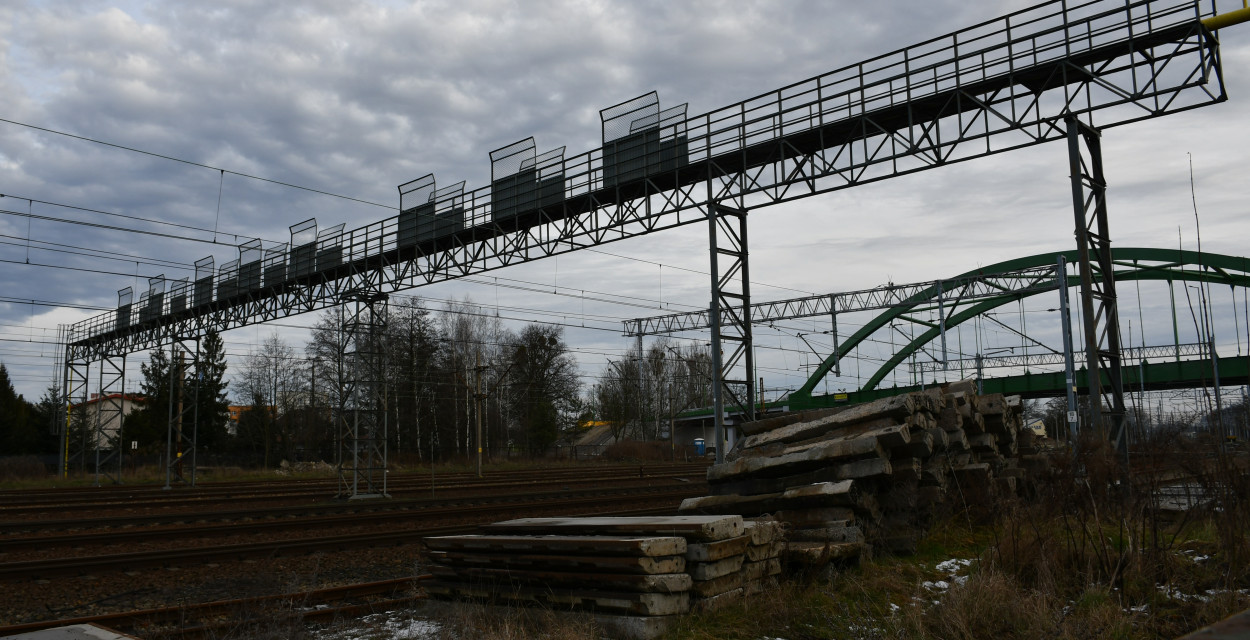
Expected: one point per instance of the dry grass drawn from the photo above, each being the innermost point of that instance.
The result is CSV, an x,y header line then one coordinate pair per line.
x,y
21,469
1089,558
470,620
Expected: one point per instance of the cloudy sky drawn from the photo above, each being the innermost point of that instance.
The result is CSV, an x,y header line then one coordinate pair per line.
x,y
354,98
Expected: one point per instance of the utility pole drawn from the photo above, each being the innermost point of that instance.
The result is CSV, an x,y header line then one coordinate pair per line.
x,y
477,408
1065,318
178,425
169,433
762,406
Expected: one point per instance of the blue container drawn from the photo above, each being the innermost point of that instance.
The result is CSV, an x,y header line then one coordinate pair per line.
x,y
700,447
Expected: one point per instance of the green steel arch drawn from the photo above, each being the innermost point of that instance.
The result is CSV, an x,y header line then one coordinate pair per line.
x,y
1161,264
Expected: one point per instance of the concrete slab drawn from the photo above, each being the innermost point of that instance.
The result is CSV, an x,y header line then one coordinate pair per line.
x,y
763,531
717,586
612,564
645,604
704,528
581,545
710,570
651,583
718,550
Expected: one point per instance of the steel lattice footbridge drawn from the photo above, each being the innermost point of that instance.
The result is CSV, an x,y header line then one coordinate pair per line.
x,y
1062,70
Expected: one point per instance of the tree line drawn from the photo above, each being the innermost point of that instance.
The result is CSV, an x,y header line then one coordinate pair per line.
x,y
641,394
28,428
442,372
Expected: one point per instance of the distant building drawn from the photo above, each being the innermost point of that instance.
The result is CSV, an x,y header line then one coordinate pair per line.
x,y
236,412
111,409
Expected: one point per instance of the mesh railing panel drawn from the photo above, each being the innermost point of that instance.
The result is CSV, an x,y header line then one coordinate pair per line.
x,y
619,118
507,161
304,233
448,198
156,285
250,251
416,192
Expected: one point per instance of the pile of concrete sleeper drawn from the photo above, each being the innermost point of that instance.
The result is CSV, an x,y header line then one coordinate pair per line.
x,y
874,476
635,575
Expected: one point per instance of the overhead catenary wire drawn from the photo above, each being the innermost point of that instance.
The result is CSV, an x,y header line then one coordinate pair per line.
x,y
191,163
97,225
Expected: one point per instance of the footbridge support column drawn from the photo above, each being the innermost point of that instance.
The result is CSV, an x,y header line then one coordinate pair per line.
x,y
1100,315
73,434
183,428
110,416
730,317
362,422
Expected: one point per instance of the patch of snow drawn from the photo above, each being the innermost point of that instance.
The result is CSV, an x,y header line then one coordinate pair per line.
x,y
953,565
396,625
1177,594
940,585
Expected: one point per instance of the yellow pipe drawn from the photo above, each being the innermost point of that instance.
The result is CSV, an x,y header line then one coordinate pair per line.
x,y
1228,19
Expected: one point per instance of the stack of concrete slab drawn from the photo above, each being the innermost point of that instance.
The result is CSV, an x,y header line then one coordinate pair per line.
x,y
763,556
633,574
844,481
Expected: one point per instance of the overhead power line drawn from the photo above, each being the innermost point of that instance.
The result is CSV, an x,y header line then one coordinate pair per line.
x,y
109,227
193,163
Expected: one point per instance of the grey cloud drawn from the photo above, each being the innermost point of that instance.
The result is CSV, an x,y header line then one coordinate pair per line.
x,y
356,97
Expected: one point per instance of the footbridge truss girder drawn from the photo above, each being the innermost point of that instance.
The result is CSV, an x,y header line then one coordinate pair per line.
x,y
1004,84
1132,264
964,297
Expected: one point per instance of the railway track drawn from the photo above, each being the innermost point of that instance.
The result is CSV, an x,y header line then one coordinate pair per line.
x,y
659,501
210,618
122,530
221,541
450,497
14,503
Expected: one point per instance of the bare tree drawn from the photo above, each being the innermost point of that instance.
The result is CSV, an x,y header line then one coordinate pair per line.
x,y
412,346
475,345
328,364
274,375
644,390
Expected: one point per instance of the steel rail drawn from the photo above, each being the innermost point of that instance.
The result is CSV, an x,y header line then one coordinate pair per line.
x,y
146,618
278,521
94,499
57,567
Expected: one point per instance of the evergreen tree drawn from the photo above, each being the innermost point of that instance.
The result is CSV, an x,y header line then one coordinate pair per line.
x,y
149,424
208,386
17,435
48,419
